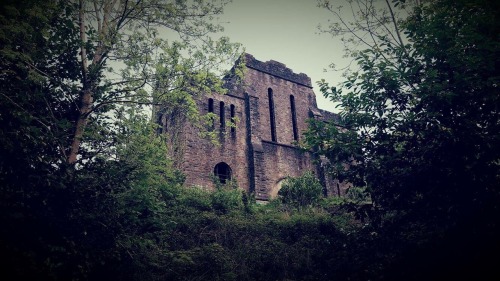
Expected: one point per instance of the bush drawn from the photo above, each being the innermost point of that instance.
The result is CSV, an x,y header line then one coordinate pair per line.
x,y
301,191
223,201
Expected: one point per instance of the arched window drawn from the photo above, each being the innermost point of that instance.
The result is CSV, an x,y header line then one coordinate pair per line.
x,y
294,118
222,116
271,114
223,172
233,129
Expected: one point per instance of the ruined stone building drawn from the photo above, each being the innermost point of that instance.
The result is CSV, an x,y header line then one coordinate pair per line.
x,y
269,108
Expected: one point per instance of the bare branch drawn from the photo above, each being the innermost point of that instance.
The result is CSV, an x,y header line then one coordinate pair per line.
x,y
395,23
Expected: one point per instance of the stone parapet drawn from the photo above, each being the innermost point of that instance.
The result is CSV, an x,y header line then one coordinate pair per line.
x,y
278,69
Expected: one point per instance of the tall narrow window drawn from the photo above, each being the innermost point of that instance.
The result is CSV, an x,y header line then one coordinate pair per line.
x,y
271,114
233,129
210,105
211,110
161,124
294,118
222,116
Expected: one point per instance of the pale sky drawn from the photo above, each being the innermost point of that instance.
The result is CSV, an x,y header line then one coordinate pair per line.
x,y
286,31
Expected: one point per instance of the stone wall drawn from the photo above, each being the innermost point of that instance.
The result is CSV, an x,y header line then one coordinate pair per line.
x,y
202,154
280,161
258,162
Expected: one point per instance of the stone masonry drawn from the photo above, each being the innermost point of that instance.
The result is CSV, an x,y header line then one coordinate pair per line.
x,y
270,108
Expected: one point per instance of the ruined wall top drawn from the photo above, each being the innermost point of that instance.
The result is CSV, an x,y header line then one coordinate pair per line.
x,y
278,69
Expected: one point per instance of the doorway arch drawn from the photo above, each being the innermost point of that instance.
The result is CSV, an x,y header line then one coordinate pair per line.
x,y
276,188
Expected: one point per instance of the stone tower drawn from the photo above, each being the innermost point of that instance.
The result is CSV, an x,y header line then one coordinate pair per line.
x,y
270,108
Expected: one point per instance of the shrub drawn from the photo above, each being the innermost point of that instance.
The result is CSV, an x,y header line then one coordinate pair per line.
x,y
301,191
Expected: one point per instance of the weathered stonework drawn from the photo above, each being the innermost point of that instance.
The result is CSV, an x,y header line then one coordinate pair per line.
x,y
259,159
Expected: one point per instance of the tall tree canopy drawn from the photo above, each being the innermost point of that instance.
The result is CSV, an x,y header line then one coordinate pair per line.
x,y
107,53
420,115
129,32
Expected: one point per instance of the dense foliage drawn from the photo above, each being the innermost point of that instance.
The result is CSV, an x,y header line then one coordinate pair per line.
x,y
301,192
420,131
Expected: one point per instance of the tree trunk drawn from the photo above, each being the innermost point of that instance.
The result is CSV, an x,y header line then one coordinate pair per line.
x,y
80,125
86,97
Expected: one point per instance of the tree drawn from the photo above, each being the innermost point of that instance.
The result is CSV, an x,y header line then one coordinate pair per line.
x,y
122,49
420,124
71,156
366,24
37,66
435,90
129,32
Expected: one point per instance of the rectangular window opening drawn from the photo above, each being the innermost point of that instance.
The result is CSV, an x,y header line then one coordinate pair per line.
x,y
211,110
233,121
210,105
294,118
222,116
271,114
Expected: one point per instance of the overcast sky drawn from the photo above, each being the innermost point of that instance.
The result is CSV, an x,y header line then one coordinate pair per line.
x,y
286,31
